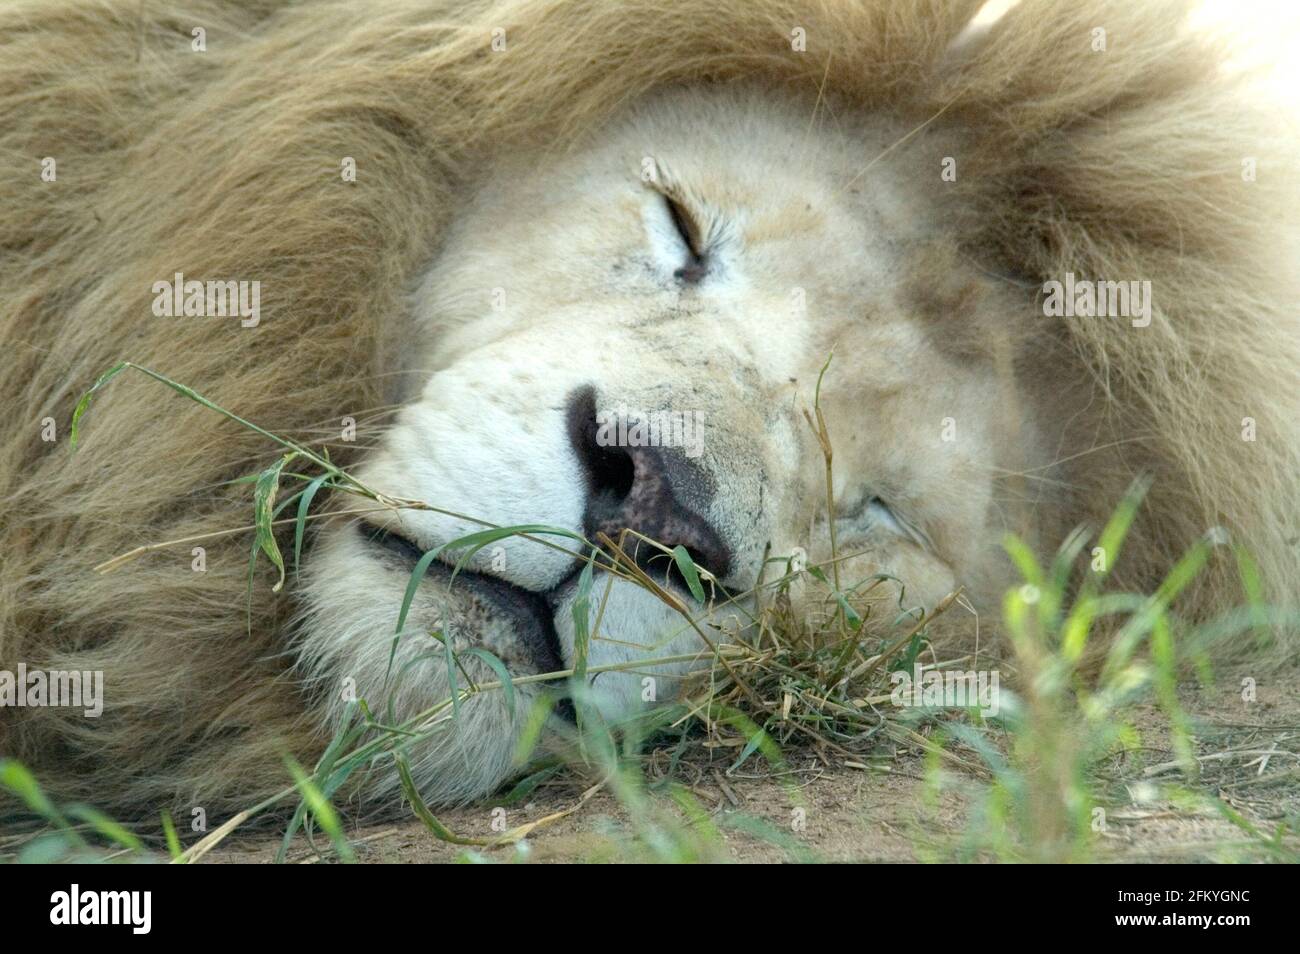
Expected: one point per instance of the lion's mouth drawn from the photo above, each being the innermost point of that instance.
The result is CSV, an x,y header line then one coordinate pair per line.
x,y
529,612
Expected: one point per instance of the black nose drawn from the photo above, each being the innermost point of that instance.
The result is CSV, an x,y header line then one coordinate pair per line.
x,y
655,491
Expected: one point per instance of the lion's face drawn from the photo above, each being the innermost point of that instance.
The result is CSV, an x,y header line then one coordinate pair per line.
x,y
695,267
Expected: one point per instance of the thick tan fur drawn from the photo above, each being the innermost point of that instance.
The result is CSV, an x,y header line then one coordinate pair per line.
x,y
225,163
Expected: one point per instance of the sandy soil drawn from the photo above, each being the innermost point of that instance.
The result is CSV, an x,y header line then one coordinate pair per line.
x,y
879,814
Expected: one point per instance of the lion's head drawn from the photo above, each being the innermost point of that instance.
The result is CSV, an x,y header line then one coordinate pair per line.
x,y
626,337
612,295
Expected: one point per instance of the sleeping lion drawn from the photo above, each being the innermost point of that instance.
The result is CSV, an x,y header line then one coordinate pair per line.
x,y
593,268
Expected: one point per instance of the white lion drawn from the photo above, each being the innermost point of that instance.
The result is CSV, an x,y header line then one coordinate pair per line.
x,y
597,269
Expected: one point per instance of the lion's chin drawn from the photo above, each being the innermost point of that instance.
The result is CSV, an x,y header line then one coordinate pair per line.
x,y
643,647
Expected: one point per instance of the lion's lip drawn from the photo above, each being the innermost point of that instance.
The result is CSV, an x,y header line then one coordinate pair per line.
x,y
528,610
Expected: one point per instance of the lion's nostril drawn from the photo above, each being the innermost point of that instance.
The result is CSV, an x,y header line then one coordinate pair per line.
x,y
609,468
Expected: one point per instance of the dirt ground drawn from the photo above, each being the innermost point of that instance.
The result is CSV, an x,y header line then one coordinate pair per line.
x,y
850,815
1249,752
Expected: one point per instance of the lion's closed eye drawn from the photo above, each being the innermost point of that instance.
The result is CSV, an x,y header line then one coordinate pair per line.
x,y
685,224
694,265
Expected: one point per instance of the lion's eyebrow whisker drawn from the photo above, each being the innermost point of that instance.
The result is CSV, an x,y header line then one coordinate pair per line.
x,y
1095,449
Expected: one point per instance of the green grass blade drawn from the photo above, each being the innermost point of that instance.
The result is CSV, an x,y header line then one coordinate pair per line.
x,y
268,485
1023,557
320,808
83,405
16,778
421,809
689,573
169,832
304,504
1117,527
110,829
502,674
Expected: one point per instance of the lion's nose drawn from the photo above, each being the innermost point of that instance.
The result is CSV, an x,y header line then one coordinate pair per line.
x,y
635,482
